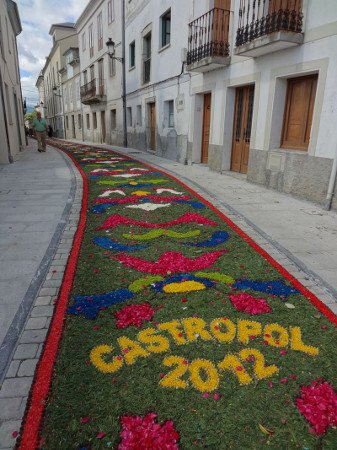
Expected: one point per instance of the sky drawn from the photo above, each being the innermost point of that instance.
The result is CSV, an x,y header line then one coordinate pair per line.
x,y
34,42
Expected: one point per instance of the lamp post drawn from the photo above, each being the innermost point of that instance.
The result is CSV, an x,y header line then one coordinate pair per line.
x,y
63,119
111,52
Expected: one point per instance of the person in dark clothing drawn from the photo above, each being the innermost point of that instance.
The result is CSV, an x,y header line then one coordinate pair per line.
x,y
50,131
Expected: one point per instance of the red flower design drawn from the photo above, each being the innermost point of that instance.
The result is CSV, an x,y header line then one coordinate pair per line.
x,y
145,432
137,199
249,304
134,315
318,404
170,262
117,219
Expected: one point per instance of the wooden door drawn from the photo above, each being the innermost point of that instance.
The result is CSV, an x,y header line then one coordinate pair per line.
x,y
103,125
291,5
298,112
244,102
152,126
206,122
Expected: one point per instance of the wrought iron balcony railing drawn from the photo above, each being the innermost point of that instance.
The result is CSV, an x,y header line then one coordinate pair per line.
x,y
93,92
208,35
258,18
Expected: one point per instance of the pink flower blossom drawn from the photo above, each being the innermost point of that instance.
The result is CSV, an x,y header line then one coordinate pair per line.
x,y
283,352
85,419
134,315
318,404
249,304
100,435
216,396
146,433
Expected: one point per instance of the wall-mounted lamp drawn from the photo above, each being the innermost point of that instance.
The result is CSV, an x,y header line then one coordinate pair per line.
x,y
111,50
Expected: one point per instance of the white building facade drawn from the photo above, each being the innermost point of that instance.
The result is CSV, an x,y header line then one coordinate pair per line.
x,y
12,134
101,76
64,37
267,106
157,85
70,81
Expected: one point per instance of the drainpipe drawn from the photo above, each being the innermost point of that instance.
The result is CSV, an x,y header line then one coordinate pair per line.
x,y
125,134
10,157
332,181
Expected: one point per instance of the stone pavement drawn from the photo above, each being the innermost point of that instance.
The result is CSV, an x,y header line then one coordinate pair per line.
x,y
301,236
40,198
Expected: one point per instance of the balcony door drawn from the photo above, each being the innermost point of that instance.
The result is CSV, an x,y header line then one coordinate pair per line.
x,y
244,101
152,126
103,129
101,77
206,125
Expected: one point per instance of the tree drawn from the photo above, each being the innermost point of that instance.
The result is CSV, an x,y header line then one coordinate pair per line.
x,y
30,116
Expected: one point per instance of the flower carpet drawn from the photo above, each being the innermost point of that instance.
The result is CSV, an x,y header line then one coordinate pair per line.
x,y
174,330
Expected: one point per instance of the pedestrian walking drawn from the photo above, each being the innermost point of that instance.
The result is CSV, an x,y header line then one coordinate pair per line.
x,y
40,130
50,131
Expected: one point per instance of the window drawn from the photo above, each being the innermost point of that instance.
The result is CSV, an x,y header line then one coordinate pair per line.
x,y
111,15
94,120
129,116
79,120
165,25
113,119
147,58
9,47
9,109
84,42
1,40
298,112
132,48
85,77
67,122
88,121
91,41
169,113
139,115
100,31
112,67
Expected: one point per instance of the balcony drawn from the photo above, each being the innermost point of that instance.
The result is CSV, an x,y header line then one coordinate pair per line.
x,y
208,46
266,26
93,92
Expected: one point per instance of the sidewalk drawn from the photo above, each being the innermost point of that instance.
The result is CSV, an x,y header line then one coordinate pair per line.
x,y
299,235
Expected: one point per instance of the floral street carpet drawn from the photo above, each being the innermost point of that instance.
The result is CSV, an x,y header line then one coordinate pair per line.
x,y
174,330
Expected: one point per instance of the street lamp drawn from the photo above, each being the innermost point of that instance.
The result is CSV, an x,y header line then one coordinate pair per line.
x,y
111,52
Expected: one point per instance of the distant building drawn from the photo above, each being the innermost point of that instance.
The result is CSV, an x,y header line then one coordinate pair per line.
x,y
101,76
70,80
12,132
64,37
